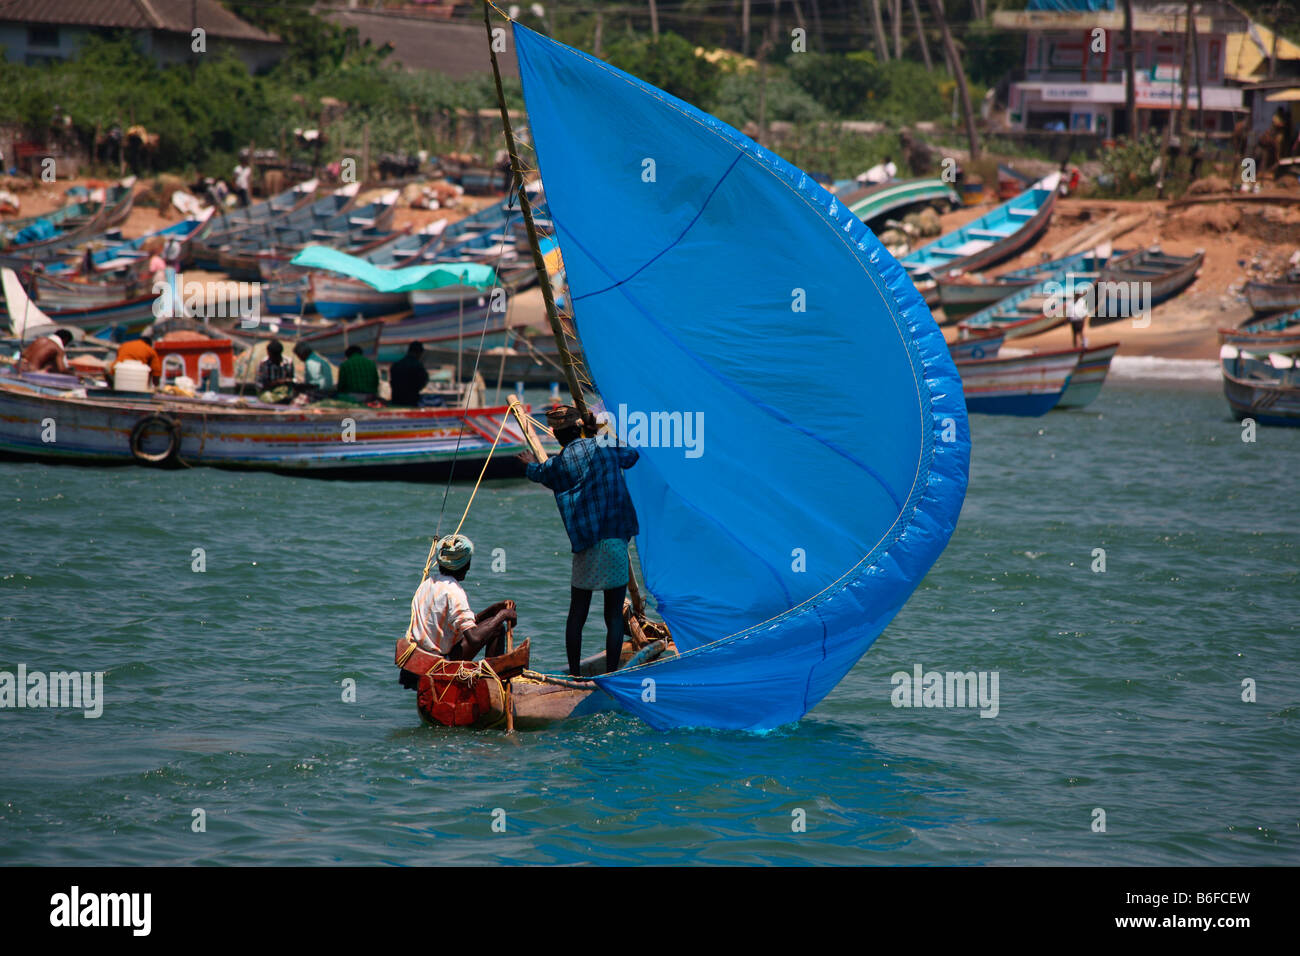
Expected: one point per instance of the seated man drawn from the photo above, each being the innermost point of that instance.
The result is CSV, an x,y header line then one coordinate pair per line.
x,y
408,375
441,620
48,354
274,370
318,380
358,376
141,350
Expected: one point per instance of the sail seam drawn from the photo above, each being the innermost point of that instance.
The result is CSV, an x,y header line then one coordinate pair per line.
x,y
668,248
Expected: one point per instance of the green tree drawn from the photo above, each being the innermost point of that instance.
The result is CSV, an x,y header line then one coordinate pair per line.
x,y
669,63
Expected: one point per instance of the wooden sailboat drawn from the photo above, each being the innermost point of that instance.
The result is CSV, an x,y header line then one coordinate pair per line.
x,y
761,639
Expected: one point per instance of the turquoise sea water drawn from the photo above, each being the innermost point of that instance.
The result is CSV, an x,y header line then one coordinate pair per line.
x,y
1120,691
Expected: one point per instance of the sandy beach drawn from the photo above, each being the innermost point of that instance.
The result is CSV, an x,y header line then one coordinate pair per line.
x,y
1241,239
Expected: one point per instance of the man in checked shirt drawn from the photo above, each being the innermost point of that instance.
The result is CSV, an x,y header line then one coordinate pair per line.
x,y
592,495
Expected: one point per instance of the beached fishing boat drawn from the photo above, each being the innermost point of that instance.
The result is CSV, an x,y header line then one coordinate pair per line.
x,y
761,639
1026,385
993,237
1088,378
979,346
228,223
110,252
126,317
329,217
965,294
1263,388
882,199
1034,309
56,294
1267,297
1276,333
1141,279
21,239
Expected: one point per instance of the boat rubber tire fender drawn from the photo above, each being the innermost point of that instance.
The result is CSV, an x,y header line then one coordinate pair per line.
x,y
173,428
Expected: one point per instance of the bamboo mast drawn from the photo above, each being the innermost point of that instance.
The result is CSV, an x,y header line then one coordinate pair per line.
x,y
548,295
543,279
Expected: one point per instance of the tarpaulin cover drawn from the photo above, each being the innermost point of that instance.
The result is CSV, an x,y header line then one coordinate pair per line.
x,y
408,279
827,461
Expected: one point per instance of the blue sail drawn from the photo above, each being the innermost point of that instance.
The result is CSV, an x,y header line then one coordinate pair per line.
x,y
715,285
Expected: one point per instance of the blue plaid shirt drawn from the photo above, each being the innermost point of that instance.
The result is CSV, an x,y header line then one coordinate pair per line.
x,y
587,479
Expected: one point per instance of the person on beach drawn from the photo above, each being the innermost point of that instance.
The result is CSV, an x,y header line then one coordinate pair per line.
x,y
442,622
358,375
317,380
140,350
408,376
274,370
243,184
1077,312
597,511
48,354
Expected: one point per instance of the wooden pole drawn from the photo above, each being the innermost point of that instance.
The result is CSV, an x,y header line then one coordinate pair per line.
x,y
878,25
959,74
510,697
920,32
1186,68
1130,81
539,264
1200,81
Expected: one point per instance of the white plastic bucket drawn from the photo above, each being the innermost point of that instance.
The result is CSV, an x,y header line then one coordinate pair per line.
x,y
131,376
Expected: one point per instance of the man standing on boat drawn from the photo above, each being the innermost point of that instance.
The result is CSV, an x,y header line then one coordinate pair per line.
x,y
408,376
441,620
592,495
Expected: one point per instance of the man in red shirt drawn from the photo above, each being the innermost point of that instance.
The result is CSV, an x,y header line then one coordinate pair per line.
x,y
141,350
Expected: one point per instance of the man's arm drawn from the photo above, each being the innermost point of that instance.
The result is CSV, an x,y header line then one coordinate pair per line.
x,y
627,456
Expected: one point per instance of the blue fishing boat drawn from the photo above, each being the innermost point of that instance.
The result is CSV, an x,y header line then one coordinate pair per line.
x,y
779,554
993,237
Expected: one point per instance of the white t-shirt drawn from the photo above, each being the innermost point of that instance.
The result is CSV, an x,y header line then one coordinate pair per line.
x,y
440,613
243,177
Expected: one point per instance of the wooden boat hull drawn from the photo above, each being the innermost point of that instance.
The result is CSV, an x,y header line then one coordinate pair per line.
x,y
339,297
976,347
960,299
1266,297
1167,276
1279,333
877,201
1028,385
388,442
994,237
1265,402
1087,380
